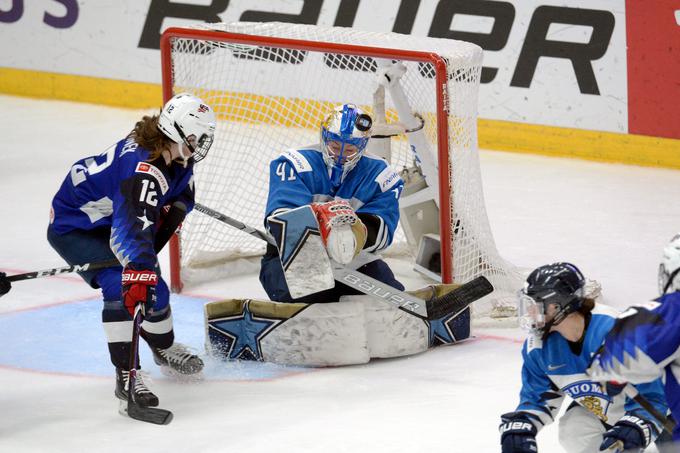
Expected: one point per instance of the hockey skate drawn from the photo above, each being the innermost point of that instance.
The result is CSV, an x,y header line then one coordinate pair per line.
x,y
177,360
141,393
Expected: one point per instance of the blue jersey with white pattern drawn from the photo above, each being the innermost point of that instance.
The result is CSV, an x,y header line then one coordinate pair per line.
x,y
300,177
119,189
552,371
643,345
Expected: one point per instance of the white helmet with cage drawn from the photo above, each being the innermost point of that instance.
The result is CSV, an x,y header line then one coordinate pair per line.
x,y
186,119
344,135
669,269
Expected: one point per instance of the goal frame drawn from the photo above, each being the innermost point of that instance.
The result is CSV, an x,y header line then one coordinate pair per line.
x,y
442,108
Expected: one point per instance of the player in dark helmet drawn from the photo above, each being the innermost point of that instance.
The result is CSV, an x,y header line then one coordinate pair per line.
x,y
553,291
565,329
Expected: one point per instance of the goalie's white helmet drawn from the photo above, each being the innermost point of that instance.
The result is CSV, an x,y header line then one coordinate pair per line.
x,y
344,135
669,269
186,119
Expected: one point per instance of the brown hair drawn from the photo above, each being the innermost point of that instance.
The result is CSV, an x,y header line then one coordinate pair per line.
x,y
586,306
147,135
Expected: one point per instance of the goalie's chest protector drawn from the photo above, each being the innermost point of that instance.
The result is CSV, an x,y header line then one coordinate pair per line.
x,y
306,178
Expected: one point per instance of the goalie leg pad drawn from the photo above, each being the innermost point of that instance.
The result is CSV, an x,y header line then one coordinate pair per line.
x,y
390,332
328,334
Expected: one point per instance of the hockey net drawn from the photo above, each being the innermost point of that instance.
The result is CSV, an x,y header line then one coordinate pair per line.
x,y
271,84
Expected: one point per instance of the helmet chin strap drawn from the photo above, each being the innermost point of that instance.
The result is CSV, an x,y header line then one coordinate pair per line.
x,y
669,283
556,319
184,159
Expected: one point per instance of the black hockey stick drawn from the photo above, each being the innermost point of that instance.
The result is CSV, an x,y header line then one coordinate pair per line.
x,y
6,280
134,410
435,308
173,219
632,393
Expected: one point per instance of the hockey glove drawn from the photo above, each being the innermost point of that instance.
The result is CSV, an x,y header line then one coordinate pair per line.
x,y
170,219
342,232
5,284
518,434
139,286
633,432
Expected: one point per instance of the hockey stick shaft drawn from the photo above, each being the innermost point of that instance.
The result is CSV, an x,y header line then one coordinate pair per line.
x,y
63,270
452,302
632,393
351,278
134,410
160,241
235,223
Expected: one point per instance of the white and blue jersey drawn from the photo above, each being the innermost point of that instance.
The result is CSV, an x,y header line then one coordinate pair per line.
x,y
555,368
643,345
119,189
300,177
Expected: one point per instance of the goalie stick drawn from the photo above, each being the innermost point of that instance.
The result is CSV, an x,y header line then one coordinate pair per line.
x,y
134,410
435,308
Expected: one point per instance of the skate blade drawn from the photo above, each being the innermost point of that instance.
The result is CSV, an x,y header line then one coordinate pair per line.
x,y
122,407
175,375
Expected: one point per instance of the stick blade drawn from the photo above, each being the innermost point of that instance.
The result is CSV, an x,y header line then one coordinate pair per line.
x,y
459,298
149,414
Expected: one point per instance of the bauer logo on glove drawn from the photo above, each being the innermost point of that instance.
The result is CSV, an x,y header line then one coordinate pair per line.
x,y
342,231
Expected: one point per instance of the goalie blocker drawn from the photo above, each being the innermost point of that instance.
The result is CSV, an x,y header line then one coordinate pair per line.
x,y
352,331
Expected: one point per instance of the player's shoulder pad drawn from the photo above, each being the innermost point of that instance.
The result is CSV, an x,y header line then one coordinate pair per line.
x,y
387,178
297,160
605,310
148,169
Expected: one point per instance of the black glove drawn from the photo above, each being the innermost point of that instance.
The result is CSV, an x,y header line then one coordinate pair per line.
x,y
5,284
632,431
518,434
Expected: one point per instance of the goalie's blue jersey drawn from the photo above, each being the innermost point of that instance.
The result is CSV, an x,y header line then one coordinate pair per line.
x,y
552,371
300,177
119,189
643,345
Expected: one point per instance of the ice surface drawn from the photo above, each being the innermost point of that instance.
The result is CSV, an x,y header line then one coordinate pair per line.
x,y
56,384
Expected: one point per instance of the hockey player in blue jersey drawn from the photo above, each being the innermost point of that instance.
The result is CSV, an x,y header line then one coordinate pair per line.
x,y
355,197
644,343
566,329
125,204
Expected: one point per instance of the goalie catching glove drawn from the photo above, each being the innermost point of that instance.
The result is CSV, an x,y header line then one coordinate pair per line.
x,y
342,232
139,287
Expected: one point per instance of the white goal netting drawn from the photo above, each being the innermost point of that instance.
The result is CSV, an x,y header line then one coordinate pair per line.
x,y
271,94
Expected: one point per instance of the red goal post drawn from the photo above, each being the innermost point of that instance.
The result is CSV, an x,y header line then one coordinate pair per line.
x,y
266,100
